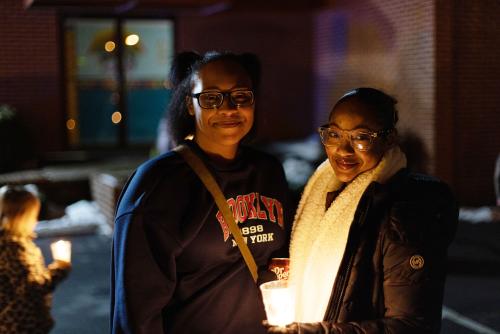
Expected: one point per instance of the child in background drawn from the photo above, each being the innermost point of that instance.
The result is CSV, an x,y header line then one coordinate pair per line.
x,y
25,283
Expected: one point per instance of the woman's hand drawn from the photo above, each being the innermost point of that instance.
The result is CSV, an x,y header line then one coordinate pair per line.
x,y
292,328
302,328
61,264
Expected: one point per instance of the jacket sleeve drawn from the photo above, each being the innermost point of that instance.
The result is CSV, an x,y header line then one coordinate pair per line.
x,y
414,249
143,273
29,259
141,289
58,271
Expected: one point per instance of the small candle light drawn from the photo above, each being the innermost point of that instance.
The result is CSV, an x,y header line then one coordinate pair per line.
x,y
279,302
61,250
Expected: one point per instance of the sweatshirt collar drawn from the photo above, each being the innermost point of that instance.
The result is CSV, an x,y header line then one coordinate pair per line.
x,y
217,164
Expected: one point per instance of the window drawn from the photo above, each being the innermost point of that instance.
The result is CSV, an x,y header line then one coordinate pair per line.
x,y
116,89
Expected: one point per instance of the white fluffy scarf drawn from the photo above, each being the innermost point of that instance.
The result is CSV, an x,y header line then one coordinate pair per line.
x,y
319,238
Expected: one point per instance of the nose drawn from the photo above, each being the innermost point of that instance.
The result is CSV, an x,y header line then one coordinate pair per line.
x,y
227,106
345,146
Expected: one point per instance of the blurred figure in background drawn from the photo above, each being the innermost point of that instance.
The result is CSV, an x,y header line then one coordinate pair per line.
x,y
25,283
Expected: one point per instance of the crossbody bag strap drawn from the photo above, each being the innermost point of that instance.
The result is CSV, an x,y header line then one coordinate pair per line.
x,y
208,180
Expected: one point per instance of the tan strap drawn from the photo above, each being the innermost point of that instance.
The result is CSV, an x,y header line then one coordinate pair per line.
x,y
208,180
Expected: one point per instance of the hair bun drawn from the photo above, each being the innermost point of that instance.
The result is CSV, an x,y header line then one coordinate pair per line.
x,y
181,66
252,64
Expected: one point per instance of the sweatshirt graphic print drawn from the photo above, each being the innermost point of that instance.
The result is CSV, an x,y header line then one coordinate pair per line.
x,y
176,267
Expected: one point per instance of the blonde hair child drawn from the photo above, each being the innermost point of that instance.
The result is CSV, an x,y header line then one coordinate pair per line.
x,y
26,284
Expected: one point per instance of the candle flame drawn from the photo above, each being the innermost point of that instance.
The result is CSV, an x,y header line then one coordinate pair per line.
x,y
278,302
61,250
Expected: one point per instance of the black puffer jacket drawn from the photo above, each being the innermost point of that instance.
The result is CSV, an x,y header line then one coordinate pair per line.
x,y
392,275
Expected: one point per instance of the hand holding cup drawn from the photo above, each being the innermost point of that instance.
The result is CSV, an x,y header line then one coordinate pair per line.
x,y
279,303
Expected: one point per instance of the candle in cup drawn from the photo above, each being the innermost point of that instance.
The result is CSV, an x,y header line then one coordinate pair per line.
x,y
278,302
61,250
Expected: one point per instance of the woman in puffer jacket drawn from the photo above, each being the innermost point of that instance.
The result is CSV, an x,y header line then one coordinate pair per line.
x,y
370,239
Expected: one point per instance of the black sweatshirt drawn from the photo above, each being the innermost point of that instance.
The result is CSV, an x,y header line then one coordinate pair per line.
x,y
176,268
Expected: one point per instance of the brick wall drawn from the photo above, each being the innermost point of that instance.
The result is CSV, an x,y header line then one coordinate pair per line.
x,y
386,44
476,97
445,116
439,58
29,71
282,40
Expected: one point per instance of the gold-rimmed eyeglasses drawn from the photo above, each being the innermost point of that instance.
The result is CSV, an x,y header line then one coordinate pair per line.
x,y
360,139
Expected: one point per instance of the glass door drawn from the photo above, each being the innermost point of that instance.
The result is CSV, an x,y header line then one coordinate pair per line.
x,y
116,89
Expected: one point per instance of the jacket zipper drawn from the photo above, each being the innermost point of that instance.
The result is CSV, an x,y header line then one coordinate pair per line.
x,y
334,305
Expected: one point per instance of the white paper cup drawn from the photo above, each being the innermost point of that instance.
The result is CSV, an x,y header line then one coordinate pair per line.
x,y
61,250
279,302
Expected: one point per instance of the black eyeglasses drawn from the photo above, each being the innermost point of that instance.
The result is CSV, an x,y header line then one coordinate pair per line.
x,y
211,100
360,139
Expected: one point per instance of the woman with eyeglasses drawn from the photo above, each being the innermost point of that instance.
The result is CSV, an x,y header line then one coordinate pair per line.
x,y
369,241
176,267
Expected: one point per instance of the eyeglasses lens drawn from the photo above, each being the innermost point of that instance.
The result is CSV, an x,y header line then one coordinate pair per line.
x,y
359,140
239,98
210,100
242,98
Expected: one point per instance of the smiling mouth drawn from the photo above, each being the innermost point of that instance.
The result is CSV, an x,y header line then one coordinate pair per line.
x,y
345,165
228,124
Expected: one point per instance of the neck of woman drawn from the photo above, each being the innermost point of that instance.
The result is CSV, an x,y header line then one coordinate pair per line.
x,y
218,152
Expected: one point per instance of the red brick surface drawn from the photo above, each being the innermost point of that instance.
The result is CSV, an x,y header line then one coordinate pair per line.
x,y
283,43
476,96
29,71
383,44
438,58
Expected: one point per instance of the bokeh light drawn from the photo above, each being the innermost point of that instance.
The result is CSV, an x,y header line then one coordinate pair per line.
x,y
116,117
132,39
109,46
70,124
